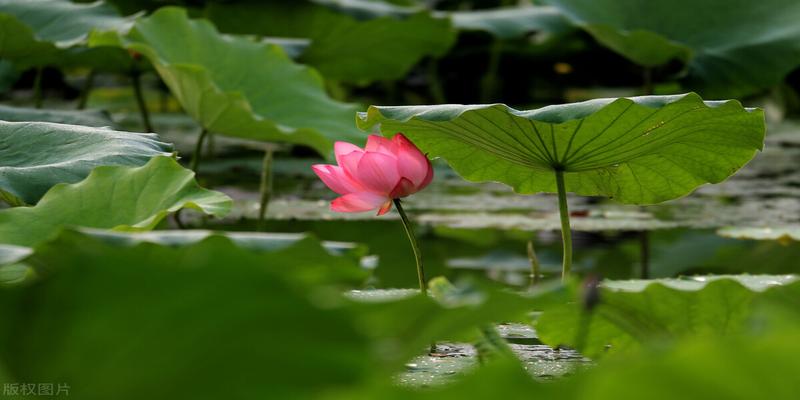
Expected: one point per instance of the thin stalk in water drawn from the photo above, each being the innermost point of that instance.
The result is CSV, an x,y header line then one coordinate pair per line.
x,y
644,254
536,267
198,149
489,81
87,88
137,91
38,95
423,284
566,231
434,83
265,188
647,81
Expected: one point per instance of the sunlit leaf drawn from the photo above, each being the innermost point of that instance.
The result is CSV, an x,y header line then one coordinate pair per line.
x,y
38,155
112,197
631,314
639,150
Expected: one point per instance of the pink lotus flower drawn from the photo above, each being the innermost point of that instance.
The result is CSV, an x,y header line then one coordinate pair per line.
x,y
372,177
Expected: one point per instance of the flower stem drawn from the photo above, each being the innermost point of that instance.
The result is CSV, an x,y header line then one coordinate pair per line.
x,y
87,88
566,232
198,149
423,284
38,94
536,268
137,91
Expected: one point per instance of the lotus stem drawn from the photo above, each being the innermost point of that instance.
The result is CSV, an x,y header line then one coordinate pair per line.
x,y
87,88
536,268
435,85
566,231
644,254
489,82
265,187
198,149
38,95
137,91
423,284
647,81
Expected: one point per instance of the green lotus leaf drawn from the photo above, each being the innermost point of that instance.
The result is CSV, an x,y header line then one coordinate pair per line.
x,y
362,48
512,22
632,313
238,87
732,49
119,322
112,197
36,32
639,150
94,118
38,155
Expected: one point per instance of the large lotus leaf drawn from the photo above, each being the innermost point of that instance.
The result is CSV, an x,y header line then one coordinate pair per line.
x,y
94,118
512,22
639,150
633,313
207,321
733,48
112,197
34,32
38,155
238,87
343,47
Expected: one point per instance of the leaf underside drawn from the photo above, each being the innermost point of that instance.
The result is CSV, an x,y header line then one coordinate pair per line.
x,y
640,150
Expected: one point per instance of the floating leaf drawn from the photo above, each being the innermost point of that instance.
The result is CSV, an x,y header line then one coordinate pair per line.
x,y
632,313
639,150
112,197
38,155
237,87
362,48
731,50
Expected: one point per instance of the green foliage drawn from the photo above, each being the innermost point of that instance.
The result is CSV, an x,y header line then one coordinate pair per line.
x,y
36,32
112,197
381,47
638,313
237,87
732,48
639,150
28,171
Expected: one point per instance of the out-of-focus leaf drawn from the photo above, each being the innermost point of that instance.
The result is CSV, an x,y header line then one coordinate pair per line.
x,y
639,150
380,46
781,234
112,197
512,22
732,48
36,156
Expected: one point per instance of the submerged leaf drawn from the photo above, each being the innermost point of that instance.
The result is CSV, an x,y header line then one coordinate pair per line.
x,y
112,197
38,155
639,150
